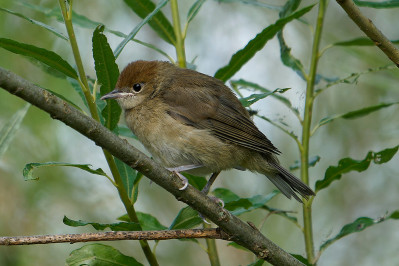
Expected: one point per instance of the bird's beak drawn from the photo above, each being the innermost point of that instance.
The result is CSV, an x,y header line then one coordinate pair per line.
x,y
115,94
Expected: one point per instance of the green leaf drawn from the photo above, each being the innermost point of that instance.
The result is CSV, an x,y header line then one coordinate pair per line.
x,y
47,57
128,176
30,167
353,114
253,3
198,182
159,23
8,131
186,218
361,41
255,45
35,22
258,262
147,221
99,255
379,4
237,246
253,98
357,226
126,132
312,162
107,74
253,86
121,226
348,164
288,59
237,205
302,259
281,213
193,11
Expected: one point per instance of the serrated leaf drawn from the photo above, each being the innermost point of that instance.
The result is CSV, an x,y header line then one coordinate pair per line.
x,y
255,45
30,167
121,226
379,4
45,56
9,129
107,74
159,23
35,22
357,226
128,176
99,255
354,114
348,164
186,218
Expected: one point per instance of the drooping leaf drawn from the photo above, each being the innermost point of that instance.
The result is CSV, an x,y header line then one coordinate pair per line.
x,y
255,45
288,59
361,41
35,22
99,255
121,226
253,98
357,226
9,129
186,218
107,74
353,114
379,4
159,23
348,164
45,56
30,167
256,87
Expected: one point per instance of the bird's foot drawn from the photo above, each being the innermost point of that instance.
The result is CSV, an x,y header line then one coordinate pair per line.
x,y
183,168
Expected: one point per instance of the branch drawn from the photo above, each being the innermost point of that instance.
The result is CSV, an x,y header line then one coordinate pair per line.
x,y
112,236
367,26
238,231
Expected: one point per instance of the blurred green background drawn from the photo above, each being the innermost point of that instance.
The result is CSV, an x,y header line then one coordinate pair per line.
x,y
218,31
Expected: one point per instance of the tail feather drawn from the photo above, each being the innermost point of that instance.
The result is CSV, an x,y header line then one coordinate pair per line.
x,y
289,185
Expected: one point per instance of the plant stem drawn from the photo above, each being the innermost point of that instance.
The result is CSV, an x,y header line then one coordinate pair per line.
x,y
307,207
212,251
67,14
180,51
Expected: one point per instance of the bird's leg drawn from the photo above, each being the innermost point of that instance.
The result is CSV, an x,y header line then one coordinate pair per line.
x,y
183,168
208,185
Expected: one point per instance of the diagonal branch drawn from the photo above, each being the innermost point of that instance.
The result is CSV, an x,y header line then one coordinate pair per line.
x,y
237,230
367,26
214,233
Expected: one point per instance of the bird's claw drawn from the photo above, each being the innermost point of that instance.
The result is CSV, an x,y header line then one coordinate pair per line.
x,y
183,179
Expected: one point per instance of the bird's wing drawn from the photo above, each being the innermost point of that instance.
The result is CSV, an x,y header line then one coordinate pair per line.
x,y
218,110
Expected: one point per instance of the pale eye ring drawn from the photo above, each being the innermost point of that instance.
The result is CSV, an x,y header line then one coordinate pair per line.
x,y
137,87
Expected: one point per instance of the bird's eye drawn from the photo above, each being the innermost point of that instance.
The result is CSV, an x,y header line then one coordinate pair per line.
x,y
137,87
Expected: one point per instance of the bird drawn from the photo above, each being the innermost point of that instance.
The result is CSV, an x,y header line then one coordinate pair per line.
x,y
192,122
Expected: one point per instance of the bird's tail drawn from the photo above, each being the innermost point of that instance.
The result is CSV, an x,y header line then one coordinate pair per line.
x,y
289,184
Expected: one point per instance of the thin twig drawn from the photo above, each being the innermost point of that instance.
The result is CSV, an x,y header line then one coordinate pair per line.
x,y
214,233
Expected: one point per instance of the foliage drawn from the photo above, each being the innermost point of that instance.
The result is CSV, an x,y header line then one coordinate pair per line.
x,y
123,176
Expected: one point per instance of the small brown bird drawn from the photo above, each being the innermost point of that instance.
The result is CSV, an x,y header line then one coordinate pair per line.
x,y
191,121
